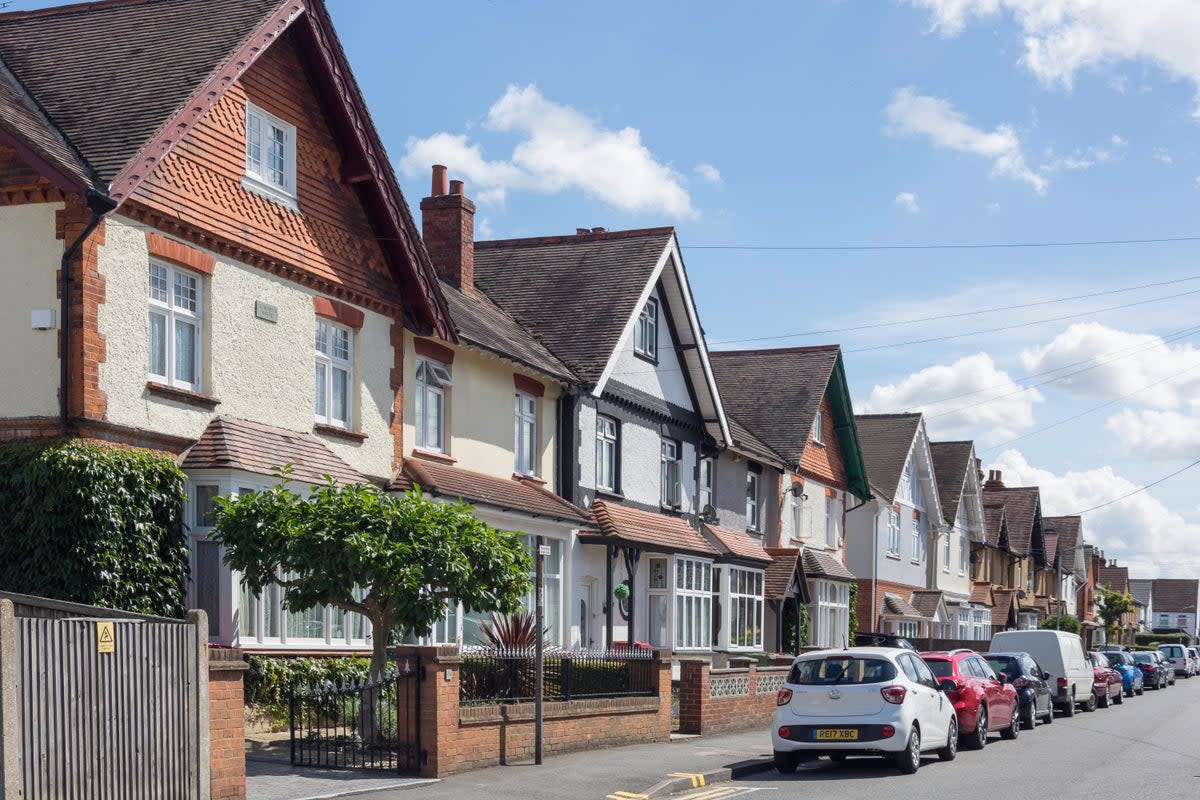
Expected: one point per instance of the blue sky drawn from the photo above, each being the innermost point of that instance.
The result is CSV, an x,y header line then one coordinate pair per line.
x,y
865,122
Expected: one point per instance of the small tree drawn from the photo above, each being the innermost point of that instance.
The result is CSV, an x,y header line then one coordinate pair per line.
x,y
1113,606
1063,622
395,560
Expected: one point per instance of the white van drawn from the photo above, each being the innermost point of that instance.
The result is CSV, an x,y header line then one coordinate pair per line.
x,y
1062,655
1177,655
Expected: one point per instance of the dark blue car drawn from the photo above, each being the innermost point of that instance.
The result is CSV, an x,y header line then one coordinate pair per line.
x,y
1030,681
1131,677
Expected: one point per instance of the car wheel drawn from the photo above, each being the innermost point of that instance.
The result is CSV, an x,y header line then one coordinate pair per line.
x,y
786,762
1049,720
837,758
977,739
908,760
1028,717
1141,691
1090,705
1102,701
950,751
1014,726
1119,699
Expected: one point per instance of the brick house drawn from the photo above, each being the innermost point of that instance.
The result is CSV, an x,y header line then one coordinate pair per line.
x,y
241,267
1064,540
1016,562
797,402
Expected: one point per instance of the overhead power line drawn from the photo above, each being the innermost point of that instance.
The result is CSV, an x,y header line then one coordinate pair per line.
x,y
940,246
1138,490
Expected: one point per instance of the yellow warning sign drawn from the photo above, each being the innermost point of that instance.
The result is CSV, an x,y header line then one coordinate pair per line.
x,y
105,640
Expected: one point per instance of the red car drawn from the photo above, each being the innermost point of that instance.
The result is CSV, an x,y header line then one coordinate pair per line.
x,y
1107,686
982,700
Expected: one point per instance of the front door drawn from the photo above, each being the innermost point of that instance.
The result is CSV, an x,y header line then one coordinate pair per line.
x,y
583,614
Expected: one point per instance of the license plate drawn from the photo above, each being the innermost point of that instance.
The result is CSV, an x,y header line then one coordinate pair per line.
x,y
835,734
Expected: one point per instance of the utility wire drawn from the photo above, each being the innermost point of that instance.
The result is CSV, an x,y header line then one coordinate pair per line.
x,y
965,246
958,315
1138,490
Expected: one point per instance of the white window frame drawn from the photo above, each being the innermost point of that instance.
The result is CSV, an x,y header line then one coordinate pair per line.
x,y
982,621
704,483
173,313
964,551
259,178
525,445
744,608
830,612
818,424
964,623
608,440
692,613
329,362
432,380
906,628
669,496
893,531
659,582
645,334
753,501
915,548
799,516
947,548
833,522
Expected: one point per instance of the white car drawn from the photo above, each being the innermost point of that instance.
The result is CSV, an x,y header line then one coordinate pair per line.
x,y
862,701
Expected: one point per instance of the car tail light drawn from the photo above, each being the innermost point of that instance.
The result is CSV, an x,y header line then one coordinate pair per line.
x,y
888,731
894,694
785,732
1020,683
1062,683
783,697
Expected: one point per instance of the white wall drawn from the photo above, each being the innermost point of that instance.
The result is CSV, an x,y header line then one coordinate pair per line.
x,y
29,258
260,371
664,379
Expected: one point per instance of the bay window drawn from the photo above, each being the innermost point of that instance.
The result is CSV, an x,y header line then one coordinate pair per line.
x,y
983,622
432,381
606,454
964,623
906,628
175,326
693,604
745,608
552,576
830,613
334,373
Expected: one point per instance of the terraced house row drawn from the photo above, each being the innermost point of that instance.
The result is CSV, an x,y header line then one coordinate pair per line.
x,y
214,259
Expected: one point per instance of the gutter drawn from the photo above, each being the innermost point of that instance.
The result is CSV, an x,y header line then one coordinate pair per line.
x,y
100,204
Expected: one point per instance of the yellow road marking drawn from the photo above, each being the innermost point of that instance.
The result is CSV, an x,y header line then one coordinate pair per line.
x,y
623,795
697,778
711,794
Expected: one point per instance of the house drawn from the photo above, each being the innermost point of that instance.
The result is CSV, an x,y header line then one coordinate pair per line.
x,y
1064,540
957,473
1175,602
888,539
1017,567
1088,600
481,422
1116,579
639,439
1142,590
240,267
797,402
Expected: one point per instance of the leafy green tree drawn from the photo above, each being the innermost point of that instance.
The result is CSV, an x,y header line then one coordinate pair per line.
x,y
1113,606
1067,623
395,560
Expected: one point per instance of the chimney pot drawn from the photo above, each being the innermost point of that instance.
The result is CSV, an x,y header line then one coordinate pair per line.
x,y
439,180
582,231
456,187
598,230
448,228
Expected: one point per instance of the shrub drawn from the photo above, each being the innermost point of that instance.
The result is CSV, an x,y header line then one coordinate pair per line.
x,y
1150,640
93,523
1065,622
271,678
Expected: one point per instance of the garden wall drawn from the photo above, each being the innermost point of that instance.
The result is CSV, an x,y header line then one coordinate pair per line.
x,y
717,700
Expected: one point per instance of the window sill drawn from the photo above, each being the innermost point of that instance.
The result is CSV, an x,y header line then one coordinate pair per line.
x,y
433,455
338,432
185,396
528,478
817,443
649,359
272,193
915,561
892,556
610,494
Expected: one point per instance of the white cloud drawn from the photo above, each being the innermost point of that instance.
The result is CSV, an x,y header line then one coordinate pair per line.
x,y
1139,531
908,201
1118,363
560,149
708,172
912,114
1065,37
970,398
1162,155
1085,158
1158,435
483,229
993,208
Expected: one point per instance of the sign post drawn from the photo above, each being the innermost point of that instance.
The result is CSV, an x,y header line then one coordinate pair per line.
x,y
538,654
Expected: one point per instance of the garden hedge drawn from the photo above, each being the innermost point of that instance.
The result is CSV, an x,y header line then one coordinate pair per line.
x,y
93,523
1151,639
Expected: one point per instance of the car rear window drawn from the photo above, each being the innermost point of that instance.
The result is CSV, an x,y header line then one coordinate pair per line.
x,y
1172,651
827,671
1003,664
1143,658
940,667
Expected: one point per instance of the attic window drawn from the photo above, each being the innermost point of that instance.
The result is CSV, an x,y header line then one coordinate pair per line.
x,y
270,156
818,424
645,335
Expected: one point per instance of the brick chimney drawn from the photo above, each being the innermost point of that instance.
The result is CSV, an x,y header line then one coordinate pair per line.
x,y
995,480
448,228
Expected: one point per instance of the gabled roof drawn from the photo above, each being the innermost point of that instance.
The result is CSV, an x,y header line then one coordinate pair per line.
x,y
620,524
995,524
780,576
820,564
1142,590
736,545
1002,611
896,606
1114,578
748,444
928,602
886,441
776,393
951,463
1022,508
230,443
1067,530
97,94
507,494
981,593
1176,595
1051,540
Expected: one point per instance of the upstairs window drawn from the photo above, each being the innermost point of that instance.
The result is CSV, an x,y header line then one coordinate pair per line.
x,y
704,483
175,305
606,454
915,553
832,522
432,381
335,366
645,335
752,502
946,546
270,154
670,474
818,424
964,552
526,431
894,532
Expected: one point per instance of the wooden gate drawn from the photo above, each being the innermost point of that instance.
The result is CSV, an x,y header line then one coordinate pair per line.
x,y
105,704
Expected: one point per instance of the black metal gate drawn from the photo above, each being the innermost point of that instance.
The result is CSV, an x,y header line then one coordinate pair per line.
x,y
361,725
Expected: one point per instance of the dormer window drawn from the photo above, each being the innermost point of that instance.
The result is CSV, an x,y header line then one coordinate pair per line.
x,y
270,156
645,335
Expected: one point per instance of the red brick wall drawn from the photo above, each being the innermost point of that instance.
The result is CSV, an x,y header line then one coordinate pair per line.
x,y
226,723
701,713
824,461
863,604
88,348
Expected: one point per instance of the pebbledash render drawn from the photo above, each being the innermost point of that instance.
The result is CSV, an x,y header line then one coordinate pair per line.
x,y
250,272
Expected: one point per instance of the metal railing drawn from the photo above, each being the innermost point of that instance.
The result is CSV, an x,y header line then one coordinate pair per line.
x,y
506,675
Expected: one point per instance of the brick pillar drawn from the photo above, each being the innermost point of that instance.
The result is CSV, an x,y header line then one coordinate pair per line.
x,y
662,663
226,724
693,694
438,723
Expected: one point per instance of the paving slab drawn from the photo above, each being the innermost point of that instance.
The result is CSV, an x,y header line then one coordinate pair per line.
x,y
273,779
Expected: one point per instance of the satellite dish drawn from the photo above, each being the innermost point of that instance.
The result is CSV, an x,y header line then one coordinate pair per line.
x,y
708,513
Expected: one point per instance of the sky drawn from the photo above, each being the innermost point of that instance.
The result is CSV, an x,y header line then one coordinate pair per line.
x,y
857,124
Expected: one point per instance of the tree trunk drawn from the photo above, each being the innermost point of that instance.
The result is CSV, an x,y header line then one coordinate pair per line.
x,y
375,697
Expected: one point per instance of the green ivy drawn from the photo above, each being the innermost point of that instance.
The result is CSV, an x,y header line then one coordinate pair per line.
x,y
803,628
93,523
271,678
853,610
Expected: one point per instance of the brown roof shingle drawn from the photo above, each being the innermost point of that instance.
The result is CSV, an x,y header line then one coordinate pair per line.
x,y
951,460
572,293
777,581
995,525
230,443
820,564
657,532
1022,509
981,593
1176,595
737,545
509,494
899,607
1066,530
1114,578
1004,599
926,601
886,441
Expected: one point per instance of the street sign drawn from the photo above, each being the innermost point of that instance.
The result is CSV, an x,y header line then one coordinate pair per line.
x,y
106,641
543,549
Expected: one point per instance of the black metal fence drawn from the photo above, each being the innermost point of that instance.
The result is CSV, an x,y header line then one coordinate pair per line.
x,y
360,724
495,675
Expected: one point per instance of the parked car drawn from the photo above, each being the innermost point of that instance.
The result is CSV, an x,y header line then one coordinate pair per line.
x,y
982,701
869,639
862,701
1034,695
1132,681
1059,653
1154,671
1108,688
1194,659
1177,655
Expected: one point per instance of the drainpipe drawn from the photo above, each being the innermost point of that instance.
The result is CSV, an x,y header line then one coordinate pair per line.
x,y
875,573
100,204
